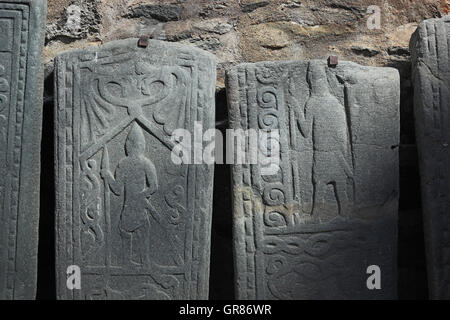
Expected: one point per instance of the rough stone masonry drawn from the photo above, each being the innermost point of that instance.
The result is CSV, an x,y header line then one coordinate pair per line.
x,y
314,227
22,25
430,49
136,224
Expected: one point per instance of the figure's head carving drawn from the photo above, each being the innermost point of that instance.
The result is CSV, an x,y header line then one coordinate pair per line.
x,y
135,144
317,78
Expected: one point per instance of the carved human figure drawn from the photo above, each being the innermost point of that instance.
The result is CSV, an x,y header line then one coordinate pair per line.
x,y
324,120
135,178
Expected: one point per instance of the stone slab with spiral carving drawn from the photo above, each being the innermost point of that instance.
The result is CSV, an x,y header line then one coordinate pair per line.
x,y
135,222
22,25
430,51
315,212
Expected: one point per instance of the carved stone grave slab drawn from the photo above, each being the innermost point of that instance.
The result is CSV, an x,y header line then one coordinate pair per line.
x,y
135,223
430,50
22,24
315,226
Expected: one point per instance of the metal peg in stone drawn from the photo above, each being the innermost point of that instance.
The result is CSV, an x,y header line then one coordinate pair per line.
x,y
143,42
333,61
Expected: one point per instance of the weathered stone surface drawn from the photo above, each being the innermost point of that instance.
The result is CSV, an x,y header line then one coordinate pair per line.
x,y
312,230
430,49
79,20
159,12
136,224
22,24
261,30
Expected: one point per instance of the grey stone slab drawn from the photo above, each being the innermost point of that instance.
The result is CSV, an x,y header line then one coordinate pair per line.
x,y
430,50
310,229
137,224
22,24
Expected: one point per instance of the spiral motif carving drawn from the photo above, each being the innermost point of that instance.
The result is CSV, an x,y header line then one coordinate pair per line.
x,y
274,219
267,97
269,143
276,264
268,119
274,195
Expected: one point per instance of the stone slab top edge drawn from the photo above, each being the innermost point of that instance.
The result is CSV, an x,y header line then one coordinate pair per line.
x,y
415,37
39,6
133,42
432,20
32,2
341,66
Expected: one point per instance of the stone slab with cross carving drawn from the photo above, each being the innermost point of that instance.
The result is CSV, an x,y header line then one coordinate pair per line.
x,y
22,25
430,51
135,223
323,223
